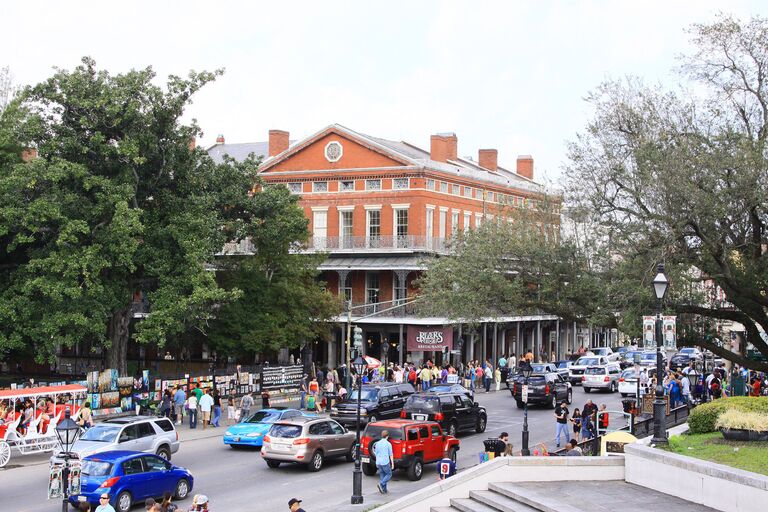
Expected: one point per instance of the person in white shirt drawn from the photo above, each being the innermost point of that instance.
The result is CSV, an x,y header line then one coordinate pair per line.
x,y
192,410
206,404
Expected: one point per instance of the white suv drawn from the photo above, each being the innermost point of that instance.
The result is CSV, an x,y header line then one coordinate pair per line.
x,y
577,369
601,377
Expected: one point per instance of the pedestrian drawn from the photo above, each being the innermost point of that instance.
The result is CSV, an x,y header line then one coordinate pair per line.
x,y
84,507
426,377
561,422
265,399
320,376
303,389
586,418
231,408
603,418
314,389
245,406
570,449
198,392
294,505
179,397
500,445
446,468
149,504
216,408
199,503
576,421
685,386
192,410
488,377
104,505
166,404
206,406
167,506
497,378
382,451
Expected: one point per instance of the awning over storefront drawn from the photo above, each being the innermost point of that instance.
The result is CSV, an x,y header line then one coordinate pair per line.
x,y
414,320
411,262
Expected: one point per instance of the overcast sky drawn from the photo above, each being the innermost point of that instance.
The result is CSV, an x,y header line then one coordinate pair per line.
x,y
509,75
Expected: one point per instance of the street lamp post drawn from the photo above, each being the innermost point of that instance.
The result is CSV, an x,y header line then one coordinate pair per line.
x,y
693,379
660,285
526,370
357,476
67,432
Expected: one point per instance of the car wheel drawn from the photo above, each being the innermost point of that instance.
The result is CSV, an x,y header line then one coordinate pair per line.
x,y
587,390
316,462
5,453
123,501
352,453
624,395
373,418
452,429
520,404
369,469
182,489
480,428
570,397
553,401
614,387
415,470
272,463
164,453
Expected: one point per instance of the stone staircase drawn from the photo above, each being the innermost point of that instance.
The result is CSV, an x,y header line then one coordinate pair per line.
x,y
568,496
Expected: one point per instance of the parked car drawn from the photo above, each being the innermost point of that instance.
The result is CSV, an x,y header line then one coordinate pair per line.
x,y
544,388
147,434
451,388
576,371
414,443
129,477
455,412
378,401
601,377
684,356
627,359
251,431
628,383
648,358
309,441
606,352
563,368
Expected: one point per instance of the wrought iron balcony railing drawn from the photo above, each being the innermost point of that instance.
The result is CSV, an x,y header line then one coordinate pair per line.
x,y
387,243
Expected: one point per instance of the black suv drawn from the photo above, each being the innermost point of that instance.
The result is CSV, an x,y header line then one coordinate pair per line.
x,y
455,412
377,402
548,389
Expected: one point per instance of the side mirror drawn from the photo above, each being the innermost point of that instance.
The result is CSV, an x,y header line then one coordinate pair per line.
x,y
476,404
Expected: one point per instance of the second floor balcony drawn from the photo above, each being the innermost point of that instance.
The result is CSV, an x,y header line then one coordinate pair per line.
x,y
379,243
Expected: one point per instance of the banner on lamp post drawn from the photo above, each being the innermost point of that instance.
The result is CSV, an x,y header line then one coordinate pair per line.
x,y
670,332
429,338
649,331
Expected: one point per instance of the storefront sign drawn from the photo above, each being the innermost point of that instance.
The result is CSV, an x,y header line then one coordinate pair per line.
x,y
428,338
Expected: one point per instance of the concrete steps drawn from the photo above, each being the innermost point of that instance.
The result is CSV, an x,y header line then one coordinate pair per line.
x,y
487,501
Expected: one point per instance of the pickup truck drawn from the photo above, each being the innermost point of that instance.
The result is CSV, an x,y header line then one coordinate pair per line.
x,y
414,443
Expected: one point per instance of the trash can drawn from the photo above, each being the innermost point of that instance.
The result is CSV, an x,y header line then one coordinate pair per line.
x,y
629,404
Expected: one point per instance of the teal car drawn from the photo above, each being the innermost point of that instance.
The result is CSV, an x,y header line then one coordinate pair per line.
x,y
251,431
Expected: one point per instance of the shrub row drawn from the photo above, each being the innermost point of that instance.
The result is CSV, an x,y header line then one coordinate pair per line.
x,y
704,417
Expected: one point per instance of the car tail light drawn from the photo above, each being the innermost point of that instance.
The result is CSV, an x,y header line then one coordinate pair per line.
x,y
546,389
267,439
439,416
514,388
402,414
302,440
109,482
606,379
403,448
621,379
583,378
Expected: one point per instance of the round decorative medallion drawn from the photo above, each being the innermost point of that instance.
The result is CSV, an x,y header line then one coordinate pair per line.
x,y
333,151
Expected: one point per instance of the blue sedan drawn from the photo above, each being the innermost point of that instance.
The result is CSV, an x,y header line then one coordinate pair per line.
x,y
251,431
129,477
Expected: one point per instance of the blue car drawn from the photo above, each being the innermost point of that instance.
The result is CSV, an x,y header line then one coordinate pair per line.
x,y
129,477
251,431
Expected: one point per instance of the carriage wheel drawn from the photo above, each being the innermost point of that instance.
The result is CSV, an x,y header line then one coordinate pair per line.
x,y
5,453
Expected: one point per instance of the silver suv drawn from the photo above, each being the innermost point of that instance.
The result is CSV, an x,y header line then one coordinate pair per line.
x,y
132,433
307,441
601,377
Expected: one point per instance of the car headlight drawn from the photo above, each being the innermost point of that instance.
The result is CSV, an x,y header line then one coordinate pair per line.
x,y
229,433
254,434
334,409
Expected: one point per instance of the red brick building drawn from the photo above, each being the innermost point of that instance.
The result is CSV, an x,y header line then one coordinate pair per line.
x,y
381,209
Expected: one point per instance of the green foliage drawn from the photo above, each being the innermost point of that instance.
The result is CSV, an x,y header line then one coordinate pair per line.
x,y
749,456
703,418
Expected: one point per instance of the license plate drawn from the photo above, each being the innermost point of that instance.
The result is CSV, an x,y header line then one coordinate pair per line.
x,y
82,498
420,417
281,447
237,439
365,460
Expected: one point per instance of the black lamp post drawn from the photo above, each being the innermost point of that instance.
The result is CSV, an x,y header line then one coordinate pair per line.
x,y
526,369
67,431
660,285
693,379
359,365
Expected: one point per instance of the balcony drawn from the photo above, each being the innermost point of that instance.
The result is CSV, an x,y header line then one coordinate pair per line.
x,y
393,310
382,243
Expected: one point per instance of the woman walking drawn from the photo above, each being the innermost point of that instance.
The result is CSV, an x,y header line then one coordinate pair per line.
x,y
576,420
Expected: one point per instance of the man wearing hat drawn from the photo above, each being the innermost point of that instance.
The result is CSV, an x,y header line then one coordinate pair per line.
x,y
294,505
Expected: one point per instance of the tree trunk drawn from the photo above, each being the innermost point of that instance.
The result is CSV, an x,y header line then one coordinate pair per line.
x,y
119,335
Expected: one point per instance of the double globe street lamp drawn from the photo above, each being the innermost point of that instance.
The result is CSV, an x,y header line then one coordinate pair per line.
x,y
660,286
359,366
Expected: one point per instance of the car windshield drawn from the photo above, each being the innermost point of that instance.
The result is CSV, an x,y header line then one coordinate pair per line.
x,y
374,432
264,417
562,364
96,468
623,349
586,361
687,350
285,431
439,389
628,374
429,403
648,357
368,394
595,371
101,433
540,368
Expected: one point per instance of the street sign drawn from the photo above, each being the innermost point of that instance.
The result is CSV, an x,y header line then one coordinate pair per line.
x,y
525,393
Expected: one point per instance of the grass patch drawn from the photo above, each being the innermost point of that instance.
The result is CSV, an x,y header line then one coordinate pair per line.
x,y
749,456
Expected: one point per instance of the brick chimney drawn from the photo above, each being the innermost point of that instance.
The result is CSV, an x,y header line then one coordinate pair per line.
x,y
220,139
278,142
488,159
444,147
28,154
525,166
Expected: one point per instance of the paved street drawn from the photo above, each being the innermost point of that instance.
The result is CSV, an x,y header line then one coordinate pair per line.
x,y
240,480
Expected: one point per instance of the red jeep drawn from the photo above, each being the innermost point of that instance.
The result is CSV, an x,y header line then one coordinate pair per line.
x,y
414,443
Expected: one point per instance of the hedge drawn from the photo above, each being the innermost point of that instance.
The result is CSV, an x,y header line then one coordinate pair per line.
x,y
703,417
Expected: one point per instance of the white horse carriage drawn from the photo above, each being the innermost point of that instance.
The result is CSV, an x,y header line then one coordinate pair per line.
x,y
38,433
